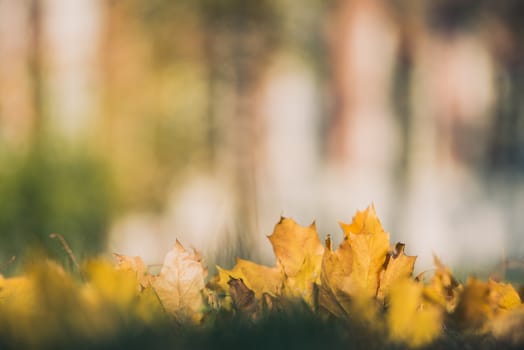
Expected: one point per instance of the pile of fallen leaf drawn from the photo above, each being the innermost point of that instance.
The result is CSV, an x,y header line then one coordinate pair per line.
x,y
363,291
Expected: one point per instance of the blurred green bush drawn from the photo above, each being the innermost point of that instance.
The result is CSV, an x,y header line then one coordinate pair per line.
x,y
53,189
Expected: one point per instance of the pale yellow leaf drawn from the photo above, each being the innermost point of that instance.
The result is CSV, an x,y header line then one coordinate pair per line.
x,y
180,283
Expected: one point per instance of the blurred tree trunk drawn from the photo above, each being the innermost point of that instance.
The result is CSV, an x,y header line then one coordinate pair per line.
x,y
239,40
16,92
364,136
35,64
505,161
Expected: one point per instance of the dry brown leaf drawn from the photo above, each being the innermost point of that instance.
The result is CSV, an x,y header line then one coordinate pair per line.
x,y
243,298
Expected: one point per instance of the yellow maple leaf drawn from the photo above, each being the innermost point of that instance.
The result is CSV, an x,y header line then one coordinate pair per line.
x,y
335,283
397,266
364,222
369,244
293,244
180,283
28,301
509,326
136,265
18,305
474,309
485,304
37,308
298,253
361,268
443,288
116,286
503,295
302,285
258,278
410,318
15,289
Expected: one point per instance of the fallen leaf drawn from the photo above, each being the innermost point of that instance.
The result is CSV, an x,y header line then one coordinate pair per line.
x,y
410,318
243,298
509,326
364,222
180,283
503,295
335,282
15,287
293,243
398,266
258,278
369,244
361,268
443,288
485,304
303,284
115,287
137,266
298,253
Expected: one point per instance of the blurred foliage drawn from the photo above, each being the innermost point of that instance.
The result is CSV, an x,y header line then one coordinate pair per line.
x,y
179,74
50,190
181,84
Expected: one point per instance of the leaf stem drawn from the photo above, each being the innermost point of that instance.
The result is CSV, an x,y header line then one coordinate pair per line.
x,y
67,248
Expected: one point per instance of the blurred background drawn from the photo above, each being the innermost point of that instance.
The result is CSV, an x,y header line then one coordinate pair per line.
x,y
127,124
